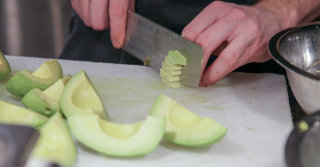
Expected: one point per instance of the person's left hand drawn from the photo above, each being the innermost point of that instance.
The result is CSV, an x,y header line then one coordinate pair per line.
x,y
243,31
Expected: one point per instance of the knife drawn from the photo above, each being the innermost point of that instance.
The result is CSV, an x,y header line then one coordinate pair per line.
x,y
150,43
16,144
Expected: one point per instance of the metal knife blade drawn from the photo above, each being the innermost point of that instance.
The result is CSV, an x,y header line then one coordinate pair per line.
x,y
151,42
16,144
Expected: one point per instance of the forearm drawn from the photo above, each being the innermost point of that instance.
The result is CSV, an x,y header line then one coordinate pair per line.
x,y
292,12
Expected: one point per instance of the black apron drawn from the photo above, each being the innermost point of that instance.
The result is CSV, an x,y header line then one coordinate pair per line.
x,y
87,44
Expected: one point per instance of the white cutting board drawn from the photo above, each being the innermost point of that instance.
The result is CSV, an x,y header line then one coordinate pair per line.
x,y
254,108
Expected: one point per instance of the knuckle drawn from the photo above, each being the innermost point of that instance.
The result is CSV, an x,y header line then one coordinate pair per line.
x,y
117,11
229,61
238,13
202,41
253,26
98,26
218,4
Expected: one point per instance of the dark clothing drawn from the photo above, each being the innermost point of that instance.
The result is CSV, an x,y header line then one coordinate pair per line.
x,y
86,44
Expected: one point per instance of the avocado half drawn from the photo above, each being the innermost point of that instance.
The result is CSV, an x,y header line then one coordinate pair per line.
x,y
55,143
119,140
46,102
184,127
24,81
4,67
13,114
80,97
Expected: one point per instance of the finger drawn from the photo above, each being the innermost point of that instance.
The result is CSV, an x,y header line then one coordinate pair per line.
x,y
214,37
118,16
260,58
85,12
76,6
131,5
204,19
226,62
99,14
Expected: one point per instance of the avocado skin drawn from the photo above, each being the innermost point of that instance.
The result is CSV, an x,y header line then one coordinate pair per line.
x,y
4,74
19,85
33,101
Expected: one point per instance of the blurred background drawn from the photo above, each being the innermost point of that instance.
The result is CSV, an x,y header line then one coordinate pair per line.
x,y
36,28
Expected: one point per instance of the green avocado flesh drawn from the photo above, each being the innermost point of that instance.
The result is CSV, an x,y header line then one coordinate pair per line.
x,y
169,77
55,143
46,102
185,128
175,58
4,67
23,81
172,84
13,114
80,97
119,140
171,69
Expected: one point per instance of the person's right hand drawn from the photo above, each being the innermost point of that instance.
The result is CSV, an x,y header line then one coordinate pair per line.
x,y
104,14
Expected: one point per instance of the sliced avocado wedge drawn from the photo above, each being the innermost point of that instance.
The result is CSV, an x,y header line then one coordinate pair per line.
x,y
184,127
172,84
172,68
13,114
119,140
80,97
171,72
4,67
55,143
46,102
168,77
23,81
174,57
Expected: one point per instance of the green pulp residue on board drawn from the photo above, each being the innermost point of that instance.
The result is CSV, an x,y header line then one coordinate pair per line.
x,y
156,85
215,108
250,128
121,79
197,98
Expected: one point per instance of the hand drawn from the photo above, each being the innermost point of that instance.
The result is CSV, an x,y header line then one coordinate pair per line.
x,y
241,31
103,14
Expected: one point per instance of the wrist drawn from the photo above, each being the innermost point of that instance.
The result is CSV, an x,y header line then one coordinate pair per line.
x,y
287,12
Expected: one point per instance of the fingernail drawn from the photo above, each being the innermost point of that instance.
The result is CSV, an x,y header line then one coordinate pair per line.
x,y
117,44
183,35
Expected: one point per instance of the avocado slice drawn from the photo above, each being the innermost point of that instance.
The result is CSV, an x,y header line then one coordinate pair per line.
x,y
4,67
174,57
13,114
172,84
172,68
55,143
80,97
119,140
23,81
46,102
171,72
168,77
184,127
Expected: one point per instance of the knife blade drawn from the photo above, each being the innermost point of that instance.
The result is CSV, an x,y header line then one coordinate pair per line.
x,y
151,42
16,144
